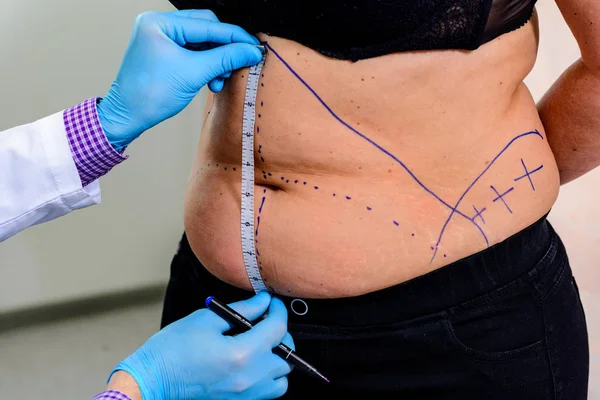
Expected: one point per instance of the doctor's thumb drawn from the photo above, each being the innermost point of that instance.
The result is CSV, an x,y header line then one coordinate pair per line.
x,y
227,58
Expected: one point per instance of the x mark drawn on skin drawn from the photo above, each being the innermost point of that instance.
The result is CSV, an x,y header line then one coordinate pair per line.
x,y
453,208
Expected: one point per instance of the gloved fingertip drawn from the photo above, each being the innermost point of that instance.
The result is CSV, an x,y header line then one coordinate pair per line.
x,y
289,341
244,55
216,85
277,304
254,307
264,294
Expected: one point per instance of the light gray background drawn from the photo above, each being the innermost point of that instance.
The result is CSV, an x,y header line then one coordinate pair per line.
x,y
55,54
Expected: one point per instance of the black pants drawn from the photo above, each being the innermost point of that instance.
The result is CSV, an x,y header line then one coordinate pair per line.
x,y
506,323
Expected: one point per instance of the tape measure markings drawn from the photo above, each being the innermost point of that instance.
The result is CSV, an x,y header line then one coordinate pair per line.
x,y
247,195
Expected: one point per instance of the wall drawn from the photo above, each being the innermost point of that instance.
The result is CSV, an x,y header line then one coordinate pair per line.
x,y
54,54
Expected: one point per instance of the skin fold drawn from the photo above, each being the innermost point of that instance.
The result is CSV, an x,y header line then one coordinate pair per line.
x,y
372,173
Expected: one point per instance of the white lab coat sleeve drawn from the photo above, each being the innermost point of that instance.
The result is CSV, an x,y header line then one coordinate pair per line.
x,y
38,177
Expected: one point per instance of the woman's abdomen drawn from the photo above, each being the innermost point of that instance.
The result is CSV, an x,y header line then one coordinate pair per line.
x,y
368,175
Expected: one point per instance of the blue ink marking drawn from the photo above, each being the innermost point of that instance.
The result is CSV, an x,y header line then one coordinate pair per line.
x,y
225,168
261,103
412,234
316,187
479,213
262,84
369,208
270,174
257,129
282,178
501,197
257,253
334,195
296,181
304,183
529,173
372,142
217,165
263,172
455,209
264,177
262,203
262,159
396,223
287,181
259,116
234,169
257,225
348,198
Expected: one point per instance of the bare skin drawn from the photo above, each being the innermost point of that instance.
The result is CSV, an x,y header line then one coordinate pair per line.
x,y
570,110
362,222
122,382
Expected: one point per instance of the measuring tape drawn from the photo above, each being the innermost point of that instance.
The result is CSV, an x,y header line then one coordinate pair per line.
x,y
248,230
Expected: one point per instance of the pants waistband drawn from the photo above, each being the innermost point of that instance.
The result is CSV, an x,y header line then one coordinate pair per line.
x,y
463,280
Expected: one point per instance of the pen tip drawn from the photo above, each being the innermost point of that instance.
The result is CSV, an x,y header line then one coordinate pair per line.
x,y
209,299
326,380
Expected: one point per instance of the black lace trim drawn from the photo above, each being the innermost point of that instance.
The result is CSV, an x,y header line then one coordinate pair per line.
x,y
360,29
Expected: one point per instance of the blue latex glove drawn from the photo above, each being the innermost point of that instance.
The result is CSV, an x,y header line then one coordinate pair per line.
x,y
159,77
192,359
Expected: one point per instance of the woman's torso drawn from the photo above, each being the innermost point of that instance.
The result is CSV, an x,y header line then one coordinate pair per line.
x,y
359,166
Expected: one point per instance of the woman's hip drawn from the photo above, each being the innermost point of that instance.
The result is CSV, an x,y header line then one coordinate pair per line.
x,y
507,321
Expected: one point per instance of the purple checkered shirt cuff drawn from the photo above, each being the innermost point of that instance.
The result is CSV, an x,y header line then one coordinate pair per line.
x,y
111,395
92,153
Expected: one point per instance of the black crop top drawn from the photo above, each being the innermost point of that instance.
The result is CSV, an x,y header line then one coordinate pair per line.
x,y
358,29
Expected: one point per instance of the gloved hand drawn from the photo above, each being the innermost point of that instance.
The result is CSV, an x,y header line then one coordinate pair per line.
x,y
159,77
192,359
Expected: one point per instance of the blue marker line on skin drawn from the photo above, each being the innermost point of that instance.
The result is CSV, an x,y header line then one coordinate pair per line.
x,y
522,135
261,204
454,210
528,173
380,148
396,223
501,197
478,213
